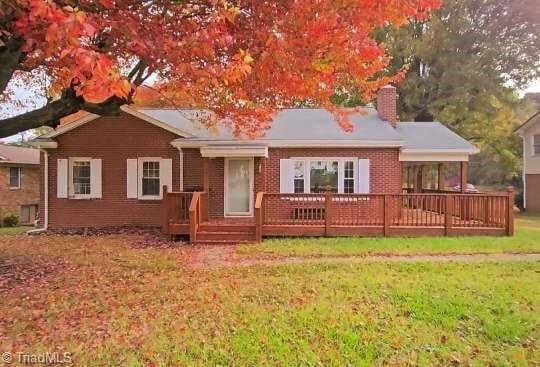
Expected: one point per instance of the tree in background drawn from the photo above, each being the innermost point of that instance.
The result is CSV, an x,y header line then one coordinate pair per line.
x,y
242,59
465,64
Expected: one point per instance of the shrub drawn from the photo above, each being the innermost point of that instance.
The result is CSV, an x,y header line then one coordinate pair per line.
x,y
11,220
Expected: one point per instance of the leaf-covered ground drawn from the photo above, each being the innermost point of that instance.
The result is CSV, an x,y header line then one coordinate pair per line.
x,y
525,240
114,300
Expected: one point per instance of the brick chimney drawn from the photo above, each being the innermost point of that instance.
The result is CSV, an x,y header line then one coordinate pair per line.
x,y
386,104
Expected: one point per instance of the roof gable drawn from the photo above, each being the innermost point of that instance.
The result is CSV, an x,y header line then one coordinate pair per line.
x,y
533,120
86,118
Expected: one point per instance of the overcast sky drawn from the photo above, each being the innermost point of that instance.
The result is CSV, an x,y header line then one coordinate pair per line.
x,y
29,99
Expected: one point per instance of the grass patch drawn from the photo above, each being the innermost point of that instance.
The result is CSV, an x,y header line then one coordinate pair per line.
x,y
120,305
14,230
525,240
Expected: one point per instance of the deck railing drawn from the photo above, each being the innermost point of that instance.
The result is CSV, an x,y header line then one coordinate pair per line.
x,y
175,208
385,214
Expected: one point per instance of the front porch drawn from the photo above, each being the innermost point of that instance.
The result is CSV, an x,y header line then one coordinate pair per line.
x,y
329,214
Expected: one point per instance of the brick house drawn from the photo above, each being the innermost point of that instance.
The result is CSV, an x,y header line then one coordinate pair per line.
x,y
19,183
112,171
530,133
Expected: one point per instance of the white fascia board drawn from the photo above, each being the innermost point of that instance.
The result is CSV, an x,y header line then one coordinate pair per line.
x,y
43,144
433,156
291,143
68,127
234,151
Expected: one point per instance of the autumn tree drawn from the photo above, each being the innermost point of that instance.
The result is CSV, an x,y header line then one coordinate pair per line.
x,y
241,59
466,62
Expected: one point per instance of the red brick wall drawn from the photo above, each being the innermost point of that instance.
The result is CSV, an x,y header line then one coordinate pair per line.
x,y
11,200
113,139
385,167
386,104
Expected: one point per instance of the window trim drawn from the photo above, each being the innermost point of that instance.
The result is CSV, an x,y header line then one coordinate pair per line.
x,y
341,171
71,186
19,170
140,164
534,145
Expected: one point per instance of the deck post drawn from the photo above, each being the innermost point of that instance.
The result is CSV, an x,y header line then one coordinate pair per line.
x,y
463,176
440,176
448,214
259,216
165,211
206,175
327,212
510,213
385,213
193,217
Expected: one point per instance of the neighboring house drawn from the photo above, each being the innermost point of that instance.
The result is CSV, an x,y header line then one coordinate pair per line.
x,y
110,171
530,132
19,182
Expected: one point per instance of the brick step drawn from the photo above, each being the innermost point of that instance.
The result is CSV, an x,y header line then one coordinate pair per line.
x,y
203,227
225,236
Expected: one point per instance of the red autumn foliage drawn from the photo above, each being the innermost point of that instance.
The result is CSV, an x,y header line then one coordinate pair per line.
x,y
241,59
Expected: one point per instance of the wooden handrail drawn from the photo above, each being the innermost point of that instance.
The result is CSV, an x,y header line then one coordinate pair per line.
x,y
194,214
259,216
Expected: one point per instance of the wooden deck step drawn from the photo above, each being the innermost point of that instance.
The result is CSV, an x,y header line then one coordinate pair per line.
x,y
225,236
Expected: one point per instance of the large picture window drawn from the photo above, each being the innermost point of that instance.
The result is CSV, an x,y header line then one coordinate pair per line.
x,y
150,179
323,176
320,175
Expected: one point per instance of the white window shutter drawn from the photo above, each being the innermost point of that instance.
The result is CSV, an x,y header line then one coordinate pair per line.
x,y
95,178
363,176
131,178
62,178
286,176
165,173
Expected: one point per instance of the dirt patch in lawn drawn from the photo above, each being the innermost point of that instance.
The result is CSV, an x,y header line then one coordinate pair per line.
x,y
226,256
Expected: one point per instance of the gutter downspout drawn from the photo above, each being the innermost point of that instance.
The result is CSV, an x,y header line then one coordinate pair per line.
x,y
45,195
181,159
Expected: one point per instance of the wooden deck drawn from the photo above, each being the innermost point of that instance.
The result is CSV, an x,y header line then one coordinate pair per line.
x,y
408,214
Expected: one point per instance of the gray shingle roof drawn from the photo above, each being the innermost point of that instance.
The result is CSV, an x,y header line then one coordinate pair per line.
x,y
431,136
19,155
289,124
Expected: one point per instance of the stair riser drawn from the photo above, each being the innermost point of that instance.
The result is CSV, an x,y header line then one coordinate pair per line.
x,y
209,236
226,228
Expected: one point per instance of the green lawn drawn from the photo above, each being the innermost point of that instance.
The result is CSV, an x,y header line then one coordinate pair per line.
x,y
525,240
109,302
14,230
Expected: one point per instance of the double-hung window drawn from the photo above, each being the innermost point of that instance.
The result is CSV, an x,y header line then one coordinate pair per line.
x,y
536,145
348,177
150,179
299,173
15,177
80,177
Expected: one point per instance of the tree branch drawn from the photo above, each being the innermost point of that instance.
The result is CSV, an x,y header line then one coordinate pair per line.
x,y
52,112
10,58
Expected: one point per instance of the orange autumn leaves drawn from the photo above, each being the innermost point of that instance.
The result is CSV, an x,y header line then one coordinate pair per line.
x,y
241,59
61,38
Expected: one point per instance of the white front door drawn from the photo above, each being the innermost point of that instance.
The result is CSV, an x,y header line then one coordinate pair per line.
x,y
238,186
